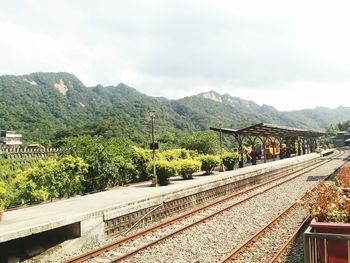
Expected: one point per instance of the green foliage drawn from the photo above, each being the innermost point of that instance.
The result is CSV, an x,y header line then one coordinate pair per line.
x,y
68,176
177,154
8,167
202,142
2,195
343,126
109,160
209,162
187,167
116,171
164,169
126,172
332,129
8,171
140,159
118,111
101,124
121,111
230,160
51,179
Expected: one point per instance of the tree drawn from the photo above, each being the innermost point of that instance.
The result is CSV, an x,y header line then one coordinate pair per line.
x,y
203,142
109,160
332,129
140,158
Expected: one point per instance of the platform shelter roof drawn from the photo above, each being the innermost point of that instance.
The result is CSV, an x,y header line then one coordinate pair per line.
x,y
270,130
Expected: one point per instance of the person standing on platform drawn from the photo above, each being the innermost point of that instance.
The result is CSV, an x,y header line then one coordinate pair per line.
x,y
253,155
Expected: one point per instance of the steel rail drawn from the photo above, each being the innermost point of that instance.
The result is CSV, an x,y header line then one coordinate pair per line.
x,y
292,239
289,242
120,242
246,244
137,250
260,233
116,244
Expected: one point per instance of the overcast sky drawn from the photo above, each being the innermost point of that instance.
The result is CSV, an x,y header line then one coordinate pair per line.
x,y
287,54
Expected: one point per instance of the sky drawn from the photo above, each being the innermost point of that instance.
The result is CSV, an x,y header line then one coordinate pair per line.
x,y
287,54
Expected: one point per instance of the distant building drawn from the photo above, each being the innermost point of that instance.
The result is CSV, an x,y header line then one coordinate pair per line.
x,y
341,139
10,138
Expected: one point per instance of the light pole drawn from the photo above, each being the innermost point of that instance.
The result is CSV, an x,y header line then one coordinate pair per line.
x,y
222,167
152,114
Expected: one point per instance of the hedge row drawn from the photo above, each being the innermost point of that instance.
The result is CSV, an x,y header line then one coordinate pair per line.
x,y
99,165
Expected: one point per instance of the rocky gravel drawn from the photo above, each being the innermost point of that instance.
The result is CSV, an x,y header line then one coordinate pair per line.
x,y
265,248
295,253
211,240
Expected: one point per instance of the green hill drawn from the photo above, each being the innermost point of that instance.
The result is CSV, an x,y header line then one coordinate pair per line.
x,y
48,107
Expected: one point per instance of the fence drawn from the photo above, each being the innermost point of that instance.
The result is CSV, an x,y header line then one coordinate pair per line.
x,y
23,152
326,247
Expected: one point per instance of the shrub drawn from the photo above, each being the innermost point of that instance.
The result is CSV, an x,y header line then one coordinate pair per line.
x,y
343,176
176,154
29,189
70,171
2,196
51,179
187,167
230,160
126,171
209,162
164,169
326,203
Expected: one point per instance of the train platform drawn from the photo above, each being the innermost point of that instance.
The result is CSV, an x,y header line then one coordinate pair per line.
x,y
88,214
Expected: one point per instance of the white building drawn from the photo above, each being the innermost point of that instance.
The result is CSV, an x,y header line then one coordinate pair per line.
x,y
10,138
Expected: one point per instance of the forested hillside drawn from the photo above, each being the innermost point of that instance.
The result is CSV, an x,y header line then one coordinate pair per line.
x,y
48,107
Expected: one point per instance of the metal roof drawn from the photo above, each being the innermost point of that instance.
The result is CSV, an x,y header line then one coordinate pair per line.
x,y
266,129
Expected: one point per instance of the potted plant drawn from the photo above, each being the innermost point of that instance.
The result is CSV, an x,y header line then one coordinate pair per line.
x,y
187,167
343,178
209,162
329,209
230,160
165,170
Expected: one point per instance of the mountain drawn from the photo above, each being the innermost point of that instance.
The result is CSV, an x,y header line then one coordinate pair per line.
x,y
46,102
50,106
318,118
43,106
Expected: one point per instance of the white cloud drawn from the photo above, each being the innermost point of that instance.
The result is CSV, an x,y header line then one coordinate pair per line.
x,y
252,49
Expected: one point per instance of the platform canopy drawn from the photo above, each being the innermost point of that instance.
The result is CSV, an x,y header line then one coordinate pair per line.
x,y
270,130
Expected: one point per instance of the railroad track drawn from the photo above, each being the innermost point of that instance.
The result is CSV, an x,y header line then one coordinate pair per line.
x,y
202,214
292,246
260,246
289,243
263,245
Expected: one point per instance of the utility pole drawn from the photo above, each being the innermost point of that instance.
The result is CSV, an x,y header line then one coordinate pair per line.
x,y
152,114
